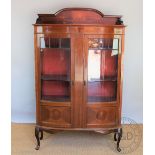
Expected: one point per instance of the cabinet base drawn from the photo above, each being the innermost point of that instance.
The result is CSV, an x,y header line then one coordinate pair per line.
x,y
117,134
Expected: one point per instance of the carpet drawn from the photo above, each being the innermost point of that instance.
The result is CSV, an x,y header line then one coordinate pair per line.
x,y
69,143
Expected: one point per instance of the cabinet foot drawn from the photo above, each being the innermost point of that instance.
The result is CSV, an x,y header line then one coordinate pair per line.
x,y
39,136
37,147
117,137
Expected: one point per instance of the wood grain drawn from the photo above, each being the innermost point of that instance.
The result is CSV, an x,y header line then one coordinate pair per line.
x,y
78,113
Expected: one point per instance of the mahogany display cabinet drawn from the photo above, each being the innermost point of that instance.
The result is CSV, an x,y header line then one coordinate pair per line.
x,y
78,72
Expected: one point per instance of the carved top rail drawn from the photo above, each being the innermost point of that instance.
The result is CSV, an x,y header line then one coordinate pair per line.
x,y
79,16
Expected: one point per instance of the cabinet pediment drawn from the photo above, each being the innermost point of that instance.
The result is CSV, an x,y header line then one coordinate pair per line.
x,y
78,16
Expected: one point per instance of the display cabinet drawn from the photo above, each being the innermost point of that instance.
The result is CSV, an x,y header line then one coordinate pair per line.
x,y
78,72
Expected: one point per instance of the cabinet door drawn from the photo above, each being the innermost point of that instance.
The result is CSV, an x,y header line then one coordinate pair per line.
x,y
101,79
55,54
55,76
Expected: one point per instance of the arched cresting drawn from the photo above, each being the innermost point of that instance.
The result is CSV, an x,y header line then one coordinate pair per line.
x,y
79,9
79,16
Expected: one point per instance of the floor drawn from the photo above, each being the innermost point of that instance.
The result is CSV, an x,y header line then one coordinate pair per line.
x,y
75,143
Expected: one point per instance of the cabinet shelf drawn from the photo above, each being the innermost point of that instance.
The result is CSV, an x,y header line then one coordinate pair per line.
x,y
56,98
100,99
48,77
103,79
106,49
66,49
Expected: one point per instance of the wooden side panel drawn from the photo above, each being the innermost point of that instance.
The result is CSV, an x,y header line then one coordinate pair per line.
x,y
101,116
56,116
37,75
121,75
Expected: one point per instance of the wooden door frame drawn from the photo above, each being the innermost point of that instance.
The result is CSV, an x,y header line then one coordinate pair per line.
x,y
118,103
37,37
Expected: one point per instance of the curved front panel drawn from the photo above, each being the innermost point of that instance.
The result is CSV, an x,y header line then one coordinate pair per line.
x,y
56,116
101,117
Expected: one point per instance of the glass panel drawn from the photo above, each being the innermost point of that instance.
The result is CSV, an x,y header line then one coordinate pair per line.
x,y
104,43
102,69
47,42
55,69
102,91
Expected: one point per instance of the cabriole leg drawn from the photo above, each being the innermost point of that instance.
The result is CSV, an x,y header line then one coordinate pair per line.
x,y
115,137
115,134
119,133
37,138
41,134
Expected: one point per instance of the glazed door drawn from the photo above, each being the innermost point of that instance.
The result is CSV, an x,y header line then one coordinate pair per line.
x,y
55,77
55,56
101,78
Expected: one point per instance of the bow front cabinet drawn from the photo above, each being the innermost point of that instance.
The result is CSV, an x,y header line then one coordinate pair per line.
x,y
78,72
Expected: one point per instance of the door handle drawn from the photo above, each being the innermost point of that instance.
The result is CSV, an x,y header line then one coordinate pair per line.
x,y
84,82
